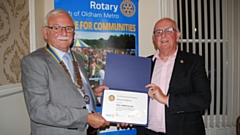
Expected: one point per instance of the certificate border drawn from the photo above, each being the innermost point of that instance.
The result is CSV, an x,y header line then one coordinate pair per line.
x,y
137,124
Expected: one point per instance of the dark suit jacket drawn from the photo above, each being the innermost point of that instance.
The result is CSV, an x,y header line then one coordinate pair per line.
x,y
189,95
54,104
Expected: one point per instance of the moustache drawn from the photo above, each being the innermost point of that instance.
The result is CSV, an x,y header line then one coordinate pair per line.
x,y
63,38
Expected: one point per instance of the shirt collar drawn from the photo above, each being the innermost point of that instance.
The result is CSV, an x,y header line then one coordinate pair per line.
x,y
61,53
156,55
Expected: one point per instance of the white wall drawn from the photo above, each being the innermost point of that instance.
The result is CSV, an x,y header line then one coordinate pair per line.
x,y
148,15
13,114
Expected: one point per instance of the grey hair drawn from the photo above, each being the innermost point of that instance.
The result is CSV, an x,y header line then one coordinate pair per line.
x,y
55,12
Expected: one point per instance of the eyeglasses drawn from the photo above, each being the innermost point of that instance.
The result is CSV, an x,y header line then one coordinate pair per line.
x,y
167,31
57,28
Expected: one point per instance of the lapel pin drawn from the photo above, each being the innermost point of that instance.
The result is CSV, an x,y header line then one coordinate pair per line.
x,y
181,61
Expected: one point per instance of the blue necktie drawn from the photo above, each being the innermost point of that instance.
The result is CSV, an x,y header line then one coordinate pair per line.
x,y
69,64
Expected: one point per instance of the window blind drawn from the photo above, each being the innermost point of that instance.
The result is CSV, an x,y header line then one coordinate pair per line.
x,y
211,28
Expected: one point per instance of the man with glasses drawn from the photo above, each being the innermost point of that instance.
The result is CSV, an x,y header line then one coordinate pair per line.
x,y
179,88
58,96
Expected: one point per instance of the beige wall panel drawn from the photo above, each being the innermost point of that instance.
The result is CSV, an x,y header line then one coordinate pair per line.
x,y
39,22
148,15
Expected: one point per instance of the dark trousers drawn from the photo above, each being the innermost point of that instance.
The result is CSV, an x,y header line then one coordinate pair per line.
x,y
91,131
145,131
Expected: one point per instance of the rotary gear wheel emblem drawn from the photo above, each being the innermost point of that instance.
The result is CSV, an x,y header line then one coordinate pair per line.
x,y
128,8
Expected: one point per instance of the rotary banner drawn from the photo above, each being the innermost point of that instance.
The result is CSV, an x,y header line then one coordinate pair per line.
x,y
102,26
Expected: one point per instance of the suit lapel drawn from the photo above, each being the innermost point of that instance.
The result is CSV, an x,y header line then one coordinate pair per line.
x,y
178,69
54,64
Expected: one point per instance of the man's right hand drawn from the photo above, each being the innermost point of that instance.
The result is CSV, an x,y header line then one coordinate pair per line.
x,y
97,121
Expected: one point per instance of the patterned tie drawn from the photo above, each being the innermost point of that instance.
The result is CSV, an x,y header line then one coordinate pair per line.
x,y
69,64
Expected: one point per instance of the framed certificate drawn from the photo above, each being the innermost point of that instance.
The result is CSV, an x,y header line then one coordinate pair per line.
x,y
125,107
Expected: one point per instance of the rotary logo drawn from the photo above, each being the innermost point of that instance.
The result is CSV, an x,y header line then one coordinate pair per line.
x,y
128,8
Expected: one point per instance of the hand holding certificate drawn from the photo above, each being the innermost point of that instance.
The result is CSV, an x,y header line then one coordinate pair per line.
x,y
127,99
